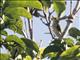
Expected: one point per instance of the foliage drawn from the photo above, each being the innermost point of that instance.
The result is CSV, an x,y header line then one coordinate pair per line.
x,y
4,56
11,14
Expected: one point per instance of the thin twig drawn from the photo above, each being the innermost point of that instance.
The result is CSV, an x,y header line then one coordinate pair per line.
x,y
70,7
66,28
64,17
43,21
48,28
51,32
25,27
41,16
30,30
45,16
50,16
68,22
75,8
48,25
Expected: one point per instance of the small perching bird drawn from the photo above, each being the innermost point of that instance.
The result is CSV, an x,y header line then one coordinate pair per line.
x,y
55,27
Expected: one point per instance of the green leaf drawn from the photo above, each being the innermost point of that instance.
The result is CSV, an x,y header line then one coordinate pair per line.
x,y
49,49
4,56
1,39
56,42
14,52
78,55
78,39
19,24
69,42
31,44
1,3
70,51
16,3
74,32
59,6
3,32
46,3
14,38
16,12
15,25
25,3
34,4
52,54
27,58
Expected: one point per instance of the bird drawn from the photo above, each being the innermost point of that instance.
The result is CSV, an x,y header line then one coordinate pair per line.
x,y
55,27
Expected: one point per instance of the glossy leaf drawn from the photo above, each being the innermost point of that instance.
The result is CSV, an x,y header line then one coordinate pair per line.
x,y
27,58
16,12
70,51
74,32
34,4
40,52
52,54
69,42
59,6
14,38
25,3
31,44
49,49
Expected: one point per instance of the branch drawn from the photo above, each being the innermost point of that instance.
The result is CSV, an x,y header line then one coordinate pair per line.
x,y
75,9
51,32
50,16
70,7
46,18
30,30
41,16
64,17
25,33
47,23
69,21
66,28
44,22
